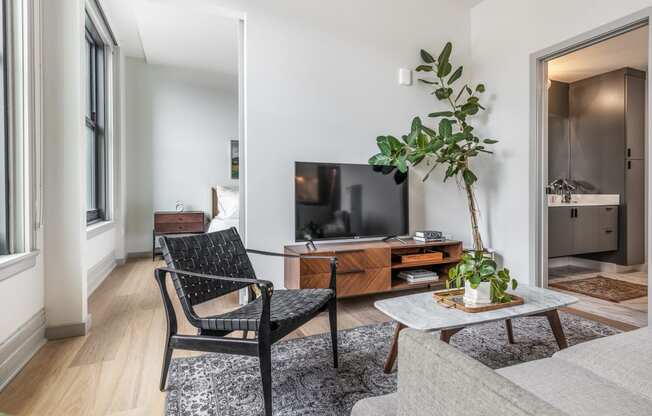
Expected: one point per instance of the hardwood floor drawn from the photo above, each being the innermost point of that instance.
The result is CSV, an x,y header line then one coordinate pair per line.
x,y
115,369
632,312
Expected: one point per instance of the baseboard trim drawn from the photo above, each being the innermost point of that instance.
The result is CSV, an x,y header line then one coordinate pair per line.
x,y
100,271
70,330
20,347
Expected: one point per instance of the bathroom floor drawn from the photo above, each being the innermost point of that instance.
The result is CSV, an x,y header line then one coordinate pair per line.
x,y
631,312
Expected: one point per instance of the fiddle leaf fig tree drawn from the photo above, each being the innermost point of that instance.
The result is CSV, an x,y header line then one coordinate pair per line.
x,y
452,144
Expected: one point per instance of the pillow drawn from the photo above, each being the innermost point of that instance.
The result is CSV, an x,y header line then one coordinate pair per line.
x,y
228,202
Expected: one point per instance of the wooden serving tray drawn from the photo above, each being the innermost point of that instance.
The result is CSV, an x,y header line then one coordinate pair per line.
x,y
421,257
453,298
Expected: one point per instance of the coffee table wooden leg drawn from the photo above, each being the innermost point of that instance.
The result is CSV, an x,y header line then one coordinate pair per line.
x,y
446,334
510,331
393,351
557,330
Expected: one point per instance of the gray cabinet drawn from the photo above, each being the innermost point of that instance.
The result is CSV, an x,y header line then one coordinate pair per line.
x,y
597,133
635,116
560,231
607,152
582,230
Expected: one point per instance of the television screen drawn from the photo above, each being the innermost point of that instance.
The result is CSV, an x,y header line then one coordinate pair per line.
x,y
340,201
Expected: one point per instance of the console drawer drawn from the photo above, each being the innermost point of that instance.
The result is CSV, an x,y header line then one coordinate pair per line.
x,y
352,283
347,261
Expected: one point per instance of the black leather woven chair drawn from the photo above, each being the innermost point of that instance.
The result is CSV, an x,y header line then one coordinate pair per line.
x,y
206,266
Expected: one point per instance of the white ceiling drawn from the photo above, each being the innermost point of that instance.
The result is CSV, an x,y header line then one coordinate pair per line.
x,y
627,50
172,34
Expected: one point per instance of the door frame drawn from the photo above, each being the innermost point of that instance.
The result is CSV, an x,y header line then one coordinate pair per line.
x,y
539,142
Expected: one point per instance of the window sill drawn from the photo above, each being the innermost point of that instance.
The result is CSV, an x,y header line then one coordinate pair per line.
x,y
98,228
12,264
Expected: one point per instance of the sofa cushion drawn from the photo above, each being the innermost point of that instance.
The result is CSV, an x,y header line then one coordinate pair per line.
x,y
624,359
576,390
381,406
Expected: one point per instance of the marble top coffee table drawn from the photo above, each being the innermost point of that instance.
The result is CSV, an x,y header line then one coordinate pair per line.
x,y
420,311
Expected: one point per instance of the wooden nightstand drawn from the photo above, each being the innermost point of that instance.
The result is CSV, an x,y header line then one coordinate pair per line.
x,y
170,222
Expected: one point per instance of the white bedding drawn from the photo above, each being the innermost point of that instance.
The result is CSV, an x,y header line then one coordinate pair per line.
x,y
218,224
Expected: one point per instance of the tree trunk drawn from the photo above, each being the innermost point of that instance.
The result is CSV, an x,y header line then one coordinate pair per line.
x,y
473,210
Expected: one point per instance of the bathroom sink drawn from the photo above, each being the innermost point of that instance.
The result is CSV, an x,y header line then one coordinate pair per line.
x,y
584,200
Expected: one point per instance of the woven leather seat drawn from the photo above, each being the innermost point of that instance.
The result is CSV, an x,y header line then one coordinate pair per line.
x,y
287,306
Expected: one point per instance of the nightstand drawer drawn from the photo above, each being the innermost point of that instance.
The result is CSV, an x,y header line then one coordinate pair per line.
x,y
180,227
181,217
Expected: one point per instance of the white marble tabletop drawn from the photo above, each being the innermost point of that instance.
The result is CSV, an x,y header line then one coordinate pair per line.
x,y
421,311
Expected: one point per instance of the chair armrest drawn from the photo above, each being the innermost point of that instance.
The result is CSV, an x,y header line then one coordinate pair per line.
x,y
262,283
288,255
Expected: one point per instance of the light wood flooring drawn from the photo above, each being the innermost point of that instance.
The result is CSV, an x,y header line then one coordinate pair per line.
x,y
633,312
115,369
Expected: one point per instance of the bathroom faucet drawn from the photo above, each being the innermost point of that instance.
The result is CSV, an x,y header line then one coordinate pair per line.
x,y
564,188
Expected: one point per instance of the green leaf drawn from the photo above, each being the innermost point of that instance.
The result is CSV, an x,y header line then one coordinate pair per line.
x,y
394,143
490,141
427,58
444,69
416,124
470,108
425,81
402,164
445,128
384,146
380,160
445,54
456,75
424,68
412,137
469,177
514,284
441,114
452,273
480,88
443,93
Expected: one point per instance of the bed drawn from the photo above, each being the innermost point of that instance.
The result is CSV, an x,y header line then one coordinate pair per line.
x,y
225,208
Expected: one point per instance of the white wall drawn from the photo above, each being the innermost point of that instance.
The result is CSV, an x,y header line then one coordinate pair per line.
x,y
21,297
503,35
321,84
179,123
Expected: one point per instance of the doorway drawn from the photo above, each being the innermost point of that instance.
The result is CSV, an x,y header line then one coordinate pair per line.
x,y
591,176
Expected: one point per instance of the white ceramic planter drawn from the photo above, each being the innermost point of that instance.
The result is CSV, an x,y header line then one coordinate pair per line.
x,y
479,296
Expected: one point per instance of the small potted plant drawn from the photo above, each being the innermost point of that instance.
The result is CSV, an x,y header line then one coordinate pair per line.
x,y
453,144
483,282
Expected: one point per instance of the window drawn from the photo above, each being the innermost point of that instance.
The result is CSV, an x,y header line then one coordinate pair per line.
x,y
4,160
95,121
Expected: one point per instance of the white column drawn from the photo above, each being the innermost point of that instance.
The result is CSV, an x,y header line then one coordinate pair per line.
x,y
64,181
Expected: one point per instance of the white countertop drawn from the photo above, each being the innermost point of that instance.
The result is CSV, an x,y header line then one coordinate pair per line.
x,y
421,311
585,200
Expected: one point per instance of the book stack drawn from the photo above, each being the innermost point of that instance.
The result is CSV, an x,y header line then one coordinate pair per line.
x,y
418,276
428,236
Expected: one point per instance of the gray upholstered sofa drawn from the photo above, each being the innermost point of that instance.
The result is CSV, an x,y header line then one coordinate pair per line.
x,y
607,376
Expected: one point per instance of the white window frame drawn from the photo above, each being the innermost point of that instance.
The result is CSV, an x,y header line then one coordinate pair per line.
x,y
24,126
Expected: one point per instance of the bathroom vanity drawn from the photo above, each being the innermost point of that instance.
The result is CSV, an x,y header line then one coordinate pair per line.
x,y
587,224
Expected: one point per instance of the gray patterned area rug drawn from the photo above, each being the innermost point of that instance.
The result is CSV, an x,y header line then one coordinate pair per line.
x,y
305,383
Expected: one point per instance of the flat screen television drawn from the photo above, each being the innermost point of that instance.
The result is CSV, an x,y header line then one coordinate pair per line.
x,y
343,201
